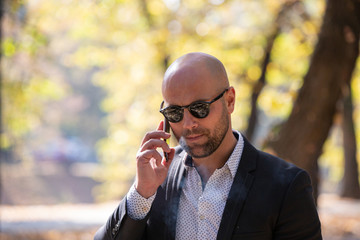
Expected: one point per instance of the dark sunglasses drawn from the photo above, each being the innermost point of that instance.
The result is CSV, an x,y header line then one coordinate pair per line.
x,y
199,109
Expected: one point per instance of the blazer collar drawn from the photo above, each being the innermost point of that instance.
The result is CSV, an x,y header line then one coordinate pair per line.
x,y
173,190
242,183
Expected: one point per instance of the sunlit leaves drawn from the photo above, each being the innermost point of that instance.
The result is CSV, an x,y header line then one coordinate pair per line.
x,y
25,88
8,47
253,72
356,101
128,44
23,105
156,8
332,159
91,56
29,42
275,102
291,54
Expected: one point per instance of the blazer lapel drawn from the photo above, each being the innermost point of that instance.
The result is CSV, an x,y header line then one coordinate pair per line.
x,y
238,192
173,191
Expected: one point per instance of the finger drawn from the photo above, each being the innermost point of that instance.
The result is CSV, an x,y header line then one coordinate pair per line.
x,y
145,156
161,125
158,134
160,162
154,144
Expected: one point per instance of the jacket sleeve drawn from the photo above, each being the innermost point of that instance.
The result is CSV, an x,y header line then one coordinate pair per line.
x,y
298,217
121,226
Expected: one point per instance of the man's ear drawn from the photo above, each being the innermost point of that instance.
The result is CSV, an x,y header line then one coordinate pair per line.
x,y
230,99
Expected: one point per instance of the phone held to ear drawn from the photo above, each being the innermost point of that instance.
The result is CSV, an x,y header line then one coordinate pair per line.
x,y
166,129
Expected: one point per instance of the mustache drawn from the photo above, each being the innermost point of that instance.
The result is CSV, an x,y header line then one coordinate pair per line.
x,y
196,131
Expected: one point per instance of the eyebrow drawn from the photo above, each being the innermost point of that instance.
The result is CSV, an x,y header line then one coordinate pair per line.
x,y
210,101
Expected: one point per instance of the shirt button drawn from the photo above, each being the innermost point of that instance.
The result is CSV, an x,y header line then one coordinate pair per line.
x,y
145,209
200,184
202,217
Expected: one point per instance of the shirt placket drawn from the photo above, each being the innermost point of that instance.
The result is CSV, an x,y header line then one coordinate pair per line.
x,y
201,208
206,207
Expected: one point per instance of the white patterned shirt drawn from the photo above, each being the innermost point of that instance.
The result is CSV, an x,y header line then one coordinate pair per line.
x,y
200,209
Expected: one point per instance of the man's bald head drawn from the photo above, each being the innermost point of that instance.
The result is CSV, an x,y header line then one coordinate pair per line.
x,y
196,68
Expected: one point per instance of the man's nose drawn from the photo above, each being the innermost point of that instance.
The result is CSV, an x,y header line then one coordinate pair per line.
x,y
189,121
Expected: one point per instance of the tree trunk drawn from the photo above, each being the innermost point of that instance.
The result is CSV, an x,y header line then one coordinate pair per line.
x,y
257,88
302,136
261,82
350,182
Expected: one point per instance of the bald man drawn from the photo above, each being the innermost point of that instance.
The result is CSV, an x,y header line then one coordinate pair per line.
x,y
215,184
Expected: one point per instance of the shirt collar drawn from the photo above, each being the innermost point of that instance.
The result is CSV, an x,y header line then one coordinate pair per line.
x,y
234,159
232,163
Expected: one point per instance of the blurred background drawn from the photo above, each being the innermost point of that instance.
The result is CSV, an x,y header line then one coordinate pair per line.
x,y
81,84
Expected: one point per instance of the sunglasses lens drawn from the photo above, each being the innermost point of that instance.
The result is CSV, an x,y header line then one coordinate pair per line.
x,y
199,109
173,114
176,113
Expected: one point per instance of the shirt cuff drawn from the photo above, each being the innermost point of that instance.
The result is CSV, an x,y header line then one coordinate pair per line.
x,y
138,206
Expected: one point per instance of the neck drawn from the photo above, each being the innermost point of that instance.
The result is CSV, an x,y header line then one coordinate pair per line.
x,y
206,166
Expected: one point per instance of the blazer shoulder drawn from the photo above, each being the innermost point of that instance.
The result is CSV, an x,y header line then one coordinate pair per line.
x,y
279,170
266,163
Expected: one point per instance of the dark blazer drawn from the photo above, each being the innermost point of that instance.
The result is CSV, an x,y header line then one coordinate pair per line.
x,y
269,199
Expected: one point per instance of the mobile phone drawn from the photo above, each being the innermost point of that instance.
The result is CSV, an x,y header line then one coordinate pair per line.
x,y
166,129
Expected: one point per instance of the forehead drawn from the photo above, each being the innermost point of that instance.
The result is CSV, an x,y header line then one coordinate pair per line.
x,y
187,85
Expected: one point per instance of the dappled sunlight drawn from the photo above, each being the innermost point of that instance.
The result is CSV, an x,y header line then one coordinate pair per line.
x,y
81,85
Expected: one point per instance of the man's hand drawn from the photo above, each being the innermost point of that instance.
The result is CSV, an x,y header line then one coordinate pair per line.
x,y
152,168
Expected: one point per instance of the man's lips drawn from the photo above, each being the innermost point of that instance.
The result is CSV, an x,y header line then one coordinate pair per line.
x,y
193,138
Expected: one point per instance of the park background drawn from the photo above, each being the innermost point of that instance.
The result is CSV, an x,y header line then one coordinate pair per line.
x,y
80,85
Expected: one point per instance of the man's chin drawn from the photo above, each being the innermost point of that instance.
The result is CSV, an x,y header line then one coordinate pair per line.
x,y
196,152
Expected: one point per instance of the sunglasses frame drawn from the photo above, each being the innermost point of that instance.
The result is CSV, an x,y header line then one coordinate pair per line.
x,y
208,103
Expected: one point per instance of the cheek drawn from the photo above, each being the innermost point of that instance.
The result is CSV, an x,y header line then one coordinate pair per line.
x,y
215,115
176,129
